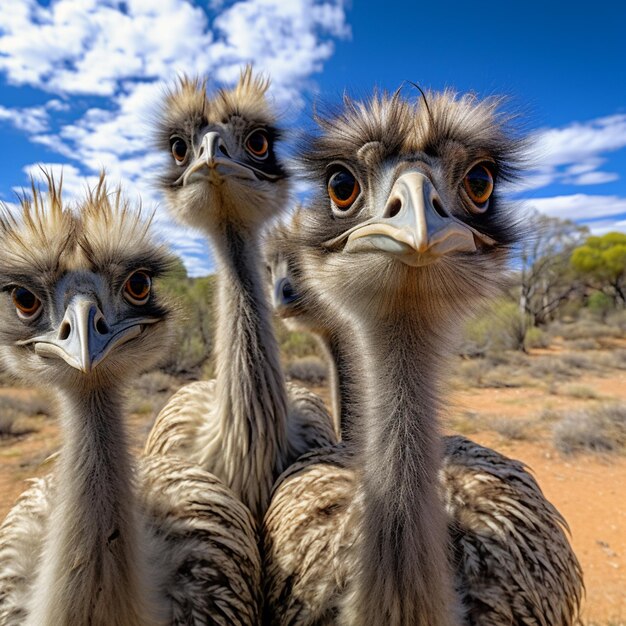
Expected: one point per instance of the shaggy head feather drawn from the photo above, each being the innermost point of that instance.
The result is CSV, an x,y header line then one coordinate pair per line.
x,y
57,254
222,167
442,136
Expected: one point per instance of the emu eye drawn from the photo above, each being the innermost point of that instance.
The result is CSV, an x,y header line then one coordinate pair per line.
x,y
343,189
258,144
27,304
137,287
179,149
478,183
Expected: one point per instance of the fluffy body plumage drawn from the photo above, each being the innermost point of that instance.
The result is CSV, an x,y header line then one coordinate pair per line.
x,y
246,426
399,266
104,540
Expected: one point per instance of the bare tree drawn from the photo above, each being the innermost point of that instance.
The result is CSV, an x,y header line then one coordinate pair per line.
x,y
546,276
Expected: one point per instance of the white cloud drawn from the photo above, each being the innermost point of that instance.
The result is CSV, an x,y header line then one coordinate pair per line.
x,y
123,51
93,47
580,206
581,142
57,105
593,178
282,38
28,119
90,46
572,154
607,226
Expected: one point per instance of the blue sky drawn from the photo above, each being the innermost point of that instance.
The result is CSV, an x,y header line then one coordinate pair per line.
x,y
79,80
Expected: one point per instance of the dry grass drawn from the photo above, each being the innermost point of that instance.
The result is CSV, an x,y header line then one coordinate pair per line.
x,y
310,369
600,429
549,416
581,392
551,368
14,424
497,371
512,429
151,391
618,359
35,404
585,329
467,423
15,414
583,344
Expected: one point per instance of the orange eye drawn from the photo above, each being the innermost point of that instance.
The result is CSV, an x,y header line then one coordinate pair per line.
x,y
258,144
343,189
137,288
26,302
478,183
179,149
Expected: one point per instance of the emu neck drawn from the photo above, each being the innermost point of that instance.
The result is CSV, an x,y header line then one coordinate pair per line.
x,y
90,571
252,401
341,378
404,576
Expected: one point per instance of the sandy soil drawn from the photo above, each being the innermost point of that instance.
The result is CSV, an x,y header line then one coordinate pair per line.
x,y
588,489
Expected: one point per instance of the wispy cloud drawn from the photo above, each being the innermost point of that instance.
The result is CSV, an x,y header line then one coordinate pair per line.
x,y
607,226
580,206
117,54
574,154
27,119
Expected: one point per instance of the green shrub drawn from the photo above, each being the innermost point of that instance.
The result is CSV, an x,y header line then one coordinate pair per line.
x,y
193,342
501,326
600,304
536,338
299,345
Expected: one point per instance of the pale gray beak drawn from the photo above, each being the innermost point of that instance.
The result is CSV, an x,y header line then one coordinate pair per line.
x,y
414,226
213,160
84,338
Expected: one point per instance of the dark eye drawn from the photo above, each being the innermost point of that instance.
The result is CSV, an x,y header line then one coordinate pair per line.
x,y
26,302
137,287
288,293
343,189
179,149
258,144
478,183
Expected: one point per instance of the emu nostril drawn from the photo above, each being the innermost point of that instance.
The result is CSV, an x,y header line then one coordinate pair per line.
x,y
224,151
439,207
101,326
393,208
64,331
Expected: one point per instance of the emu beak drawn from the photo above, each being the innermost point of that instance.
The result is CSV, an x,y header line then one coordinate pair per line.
x,y
414,225
84,339
214,161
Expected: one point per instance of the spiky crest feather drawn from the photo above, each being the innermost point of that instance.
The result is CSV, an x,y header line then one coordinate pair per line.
x,y
105,212
247,99
38,236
